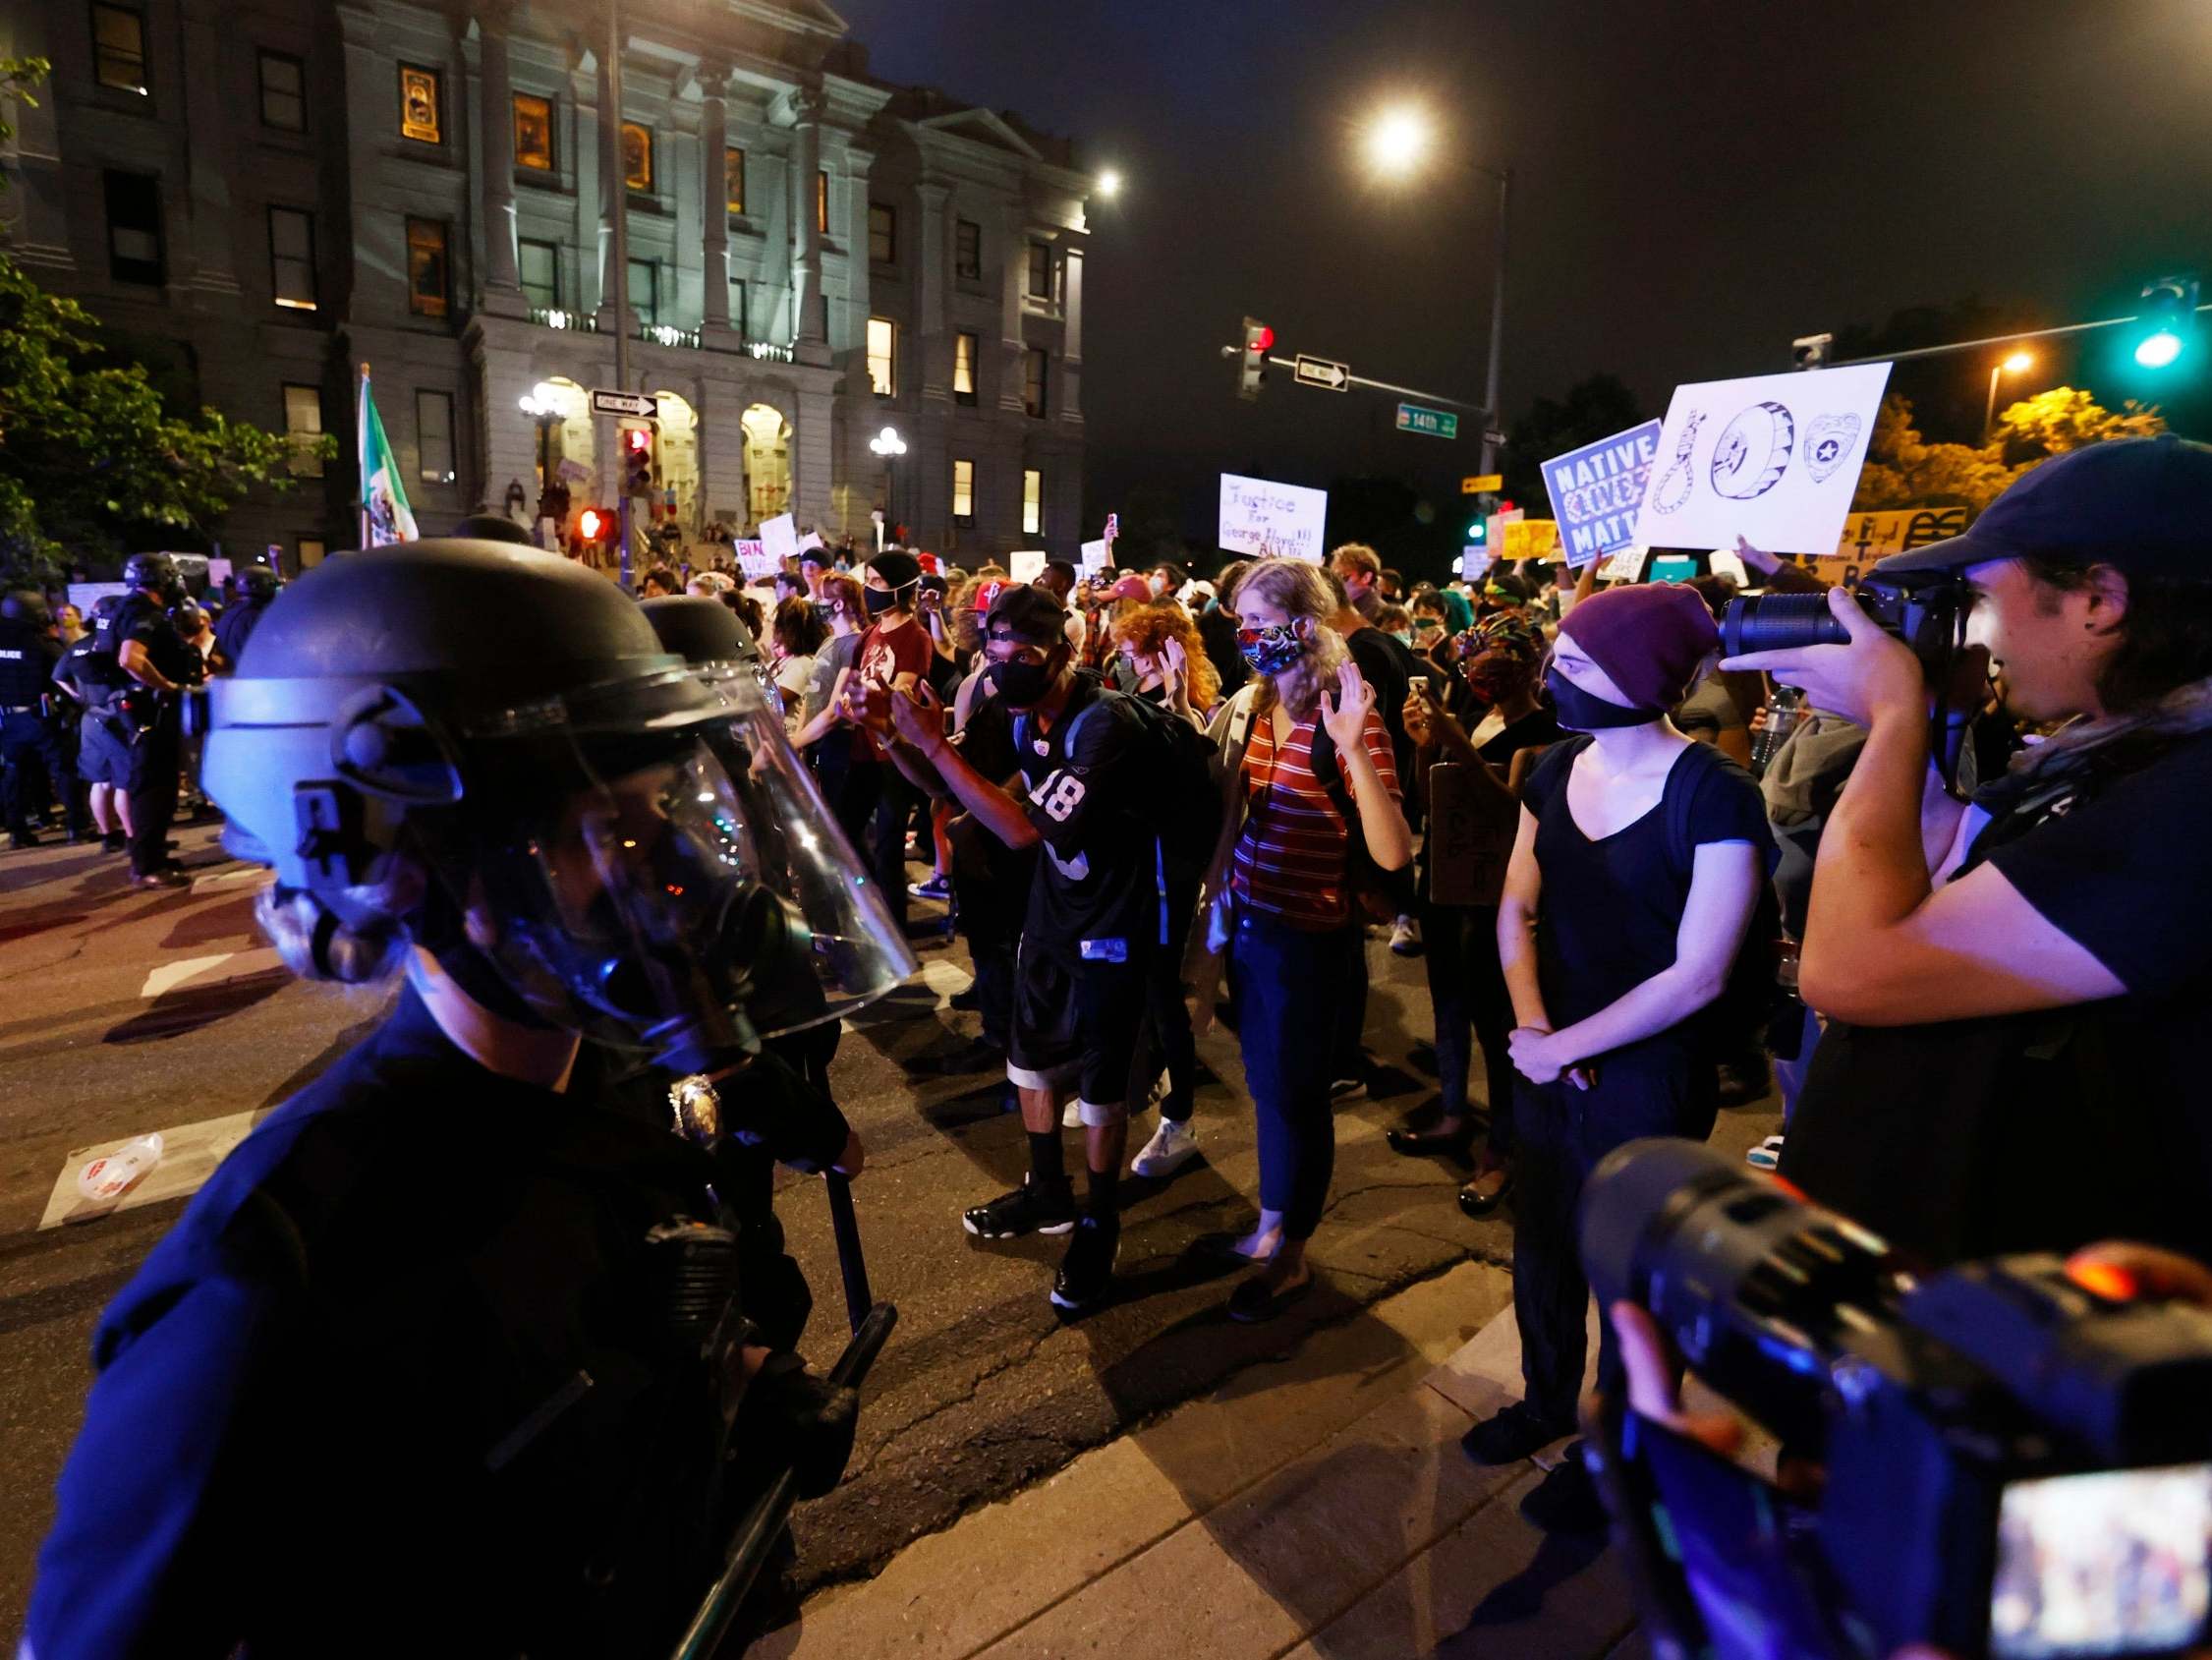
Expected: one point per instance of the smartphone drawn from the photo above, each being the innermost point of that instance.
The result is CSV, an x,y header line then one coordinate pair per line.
x,y
1419,683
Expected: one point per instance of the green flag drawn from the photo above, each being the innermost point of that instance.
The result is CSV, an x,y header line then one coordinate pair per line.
x,y
383,497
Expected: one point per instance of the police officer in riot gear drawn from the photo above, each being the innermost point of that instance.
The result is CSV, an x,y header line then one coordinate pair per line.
x,y
447,1356
90,683
32,753
133,742
253,586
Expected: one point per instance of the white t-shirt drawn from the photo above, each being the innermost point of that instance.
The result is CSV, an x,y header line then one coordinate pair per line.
x,y
791,676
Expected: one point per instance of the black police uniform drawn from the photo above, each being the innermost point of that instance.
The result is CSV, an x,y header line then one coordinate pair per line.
x,y
236,623
30,742
142,742
423,1384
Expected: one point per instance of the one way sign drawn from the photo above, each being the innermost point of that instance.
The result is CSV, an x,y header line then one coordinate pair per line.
x,y
1320,372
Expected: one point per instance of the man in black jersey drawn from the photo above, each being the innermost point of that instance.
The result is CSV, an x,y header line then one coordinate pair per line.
x,y
1049,761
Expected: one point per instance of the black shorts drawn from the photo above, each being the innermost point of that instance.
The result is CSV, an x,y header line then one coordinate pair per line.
x,y
1079,1016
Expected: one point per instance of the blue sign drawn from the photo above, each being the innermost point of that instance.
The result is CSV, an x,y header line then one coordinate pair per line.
x,y
1596,490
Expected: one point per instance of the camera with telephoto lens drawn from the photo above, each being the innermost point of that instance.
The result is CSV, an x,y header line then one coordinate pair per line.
x,y
2012,1461
1926,610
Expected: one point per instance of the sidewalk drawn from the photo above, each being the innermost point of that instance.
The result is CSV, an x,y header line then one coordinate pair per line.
x,y
1317,1506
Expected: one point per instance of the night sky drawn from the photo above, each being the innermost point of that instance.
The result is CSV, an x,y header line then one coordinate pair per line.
x,y
1694,185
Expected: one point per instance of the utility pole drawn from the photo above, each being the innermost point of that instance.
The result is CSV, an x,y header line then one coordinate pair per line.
x,y
621,273
1491,415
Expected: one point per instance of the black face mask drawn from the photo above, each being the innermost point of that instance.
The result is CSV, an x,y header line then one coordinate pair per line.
x,y
881,600
1021,684
1580,710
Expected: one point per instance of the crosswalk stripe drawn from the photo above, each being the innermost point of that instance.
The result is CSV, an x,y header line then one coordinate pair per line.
x,y
220,882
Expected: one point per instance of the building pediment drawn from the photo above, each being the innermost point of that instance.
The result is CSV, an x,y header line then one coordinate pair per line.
x,y
984,127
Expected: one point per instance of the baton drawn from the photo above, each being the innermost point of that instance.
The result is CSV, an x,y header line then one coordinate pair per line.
x,y
852,1266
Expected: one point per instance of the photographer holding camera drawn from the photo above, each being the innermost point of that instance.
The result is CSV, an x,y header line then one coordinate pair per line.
x,y
2014,986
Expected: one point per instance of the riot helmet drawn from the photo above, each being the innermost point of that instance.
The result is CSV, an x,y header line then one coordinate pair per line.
x,y
543,802
23,605
257,583
157,571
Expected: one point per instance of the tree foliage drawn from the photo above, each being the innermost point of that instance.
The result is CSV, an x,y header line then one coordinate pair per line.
x,y
1594,408
1905,469
89,458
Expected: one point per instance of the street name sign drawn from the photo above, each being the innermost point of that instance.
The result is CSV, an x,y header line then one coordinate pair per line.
x,y
642,404
1476,482
1320,372
1429,423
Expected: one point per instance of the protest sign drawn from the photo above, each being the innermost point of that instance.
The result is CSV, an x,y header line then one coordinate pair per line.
x,y
1773,458
1265,519
1596,490
1097,557
756,561
1532,538
809,540
1868,537
1026,564
1627,565
1473,561
780,535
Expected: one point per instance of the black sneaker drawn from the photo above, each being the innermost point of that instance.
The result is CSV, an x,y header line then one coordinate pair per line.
x,y
1566,1500
1509,1434
1027,1209
115,841
1087,1270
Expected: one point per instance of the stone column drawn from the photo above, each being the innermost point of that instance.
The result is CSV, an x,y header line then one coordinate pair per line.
x,y
611,182
214,267
1065,403
495,118
714,234
1014,283
933,271
805,261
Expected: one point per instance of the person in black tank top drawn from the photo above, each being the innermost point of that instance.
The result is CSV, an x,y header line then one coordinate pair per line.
x,y
1634,875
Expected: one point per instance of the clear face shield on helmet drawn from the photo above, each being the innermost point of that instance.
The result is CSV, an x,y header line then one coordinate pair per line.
x,y
674,883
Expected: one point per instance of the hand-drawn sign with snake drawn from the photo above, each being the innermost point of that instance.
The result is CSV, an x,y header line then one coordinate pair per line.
x,y
1673,487
1752,451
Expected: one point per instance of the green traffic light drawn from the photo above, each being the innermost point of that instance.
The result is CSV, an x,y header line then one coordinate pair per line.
x,y
2158,350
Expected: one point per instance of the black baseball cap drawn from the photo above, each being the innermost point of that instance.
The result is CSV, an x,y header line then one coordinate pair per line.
x,y
1027,614
2141,504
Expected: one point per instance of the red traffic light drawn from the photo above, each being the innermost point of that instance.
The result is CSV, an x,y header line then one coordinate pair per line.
x,y
1262,340
638,438
591,523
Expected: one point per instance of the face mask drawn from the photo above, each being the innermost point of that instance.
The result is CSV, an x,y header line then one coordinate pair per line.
x,y
881,599
1585,712
1403,636
1159,586
1273,649
1021,684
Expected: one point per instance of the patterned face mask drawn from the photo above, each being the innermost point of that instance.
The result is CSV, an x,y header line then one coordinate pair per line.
x,y
1273,649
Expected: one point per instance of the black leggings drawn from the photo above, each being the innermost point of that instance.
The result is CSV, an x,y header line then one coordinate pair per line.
x,y
1168,1012
1467,988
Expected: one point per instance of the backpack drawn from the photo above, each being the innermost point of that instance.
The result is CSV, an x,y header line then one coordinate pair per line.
x,y
1364,879
1182,801
1749,1003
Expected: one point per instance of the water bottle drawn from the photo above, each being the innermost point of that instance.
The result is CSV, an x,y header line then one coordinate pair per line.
x,y
1782,720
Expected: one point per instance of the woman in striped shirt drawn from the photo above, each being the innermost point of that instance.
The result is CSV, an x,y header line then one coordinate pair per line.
x,y
1311,769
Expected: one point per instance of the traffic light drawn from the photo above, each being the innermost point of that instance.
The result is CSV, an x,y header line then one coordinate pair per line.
x,y
593,524
2167,328
637,461
1478,533
1259,341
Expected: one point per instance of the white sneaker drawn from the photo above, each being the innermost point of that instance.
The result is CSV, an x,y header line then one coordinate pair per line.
x,y
1766,1156
1405,937
1071,1116
1172,1145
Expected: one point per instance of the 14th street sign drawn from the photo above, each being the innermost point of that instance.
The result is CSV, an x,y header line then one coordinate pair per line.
x,y
1430,422
1321,372
641,404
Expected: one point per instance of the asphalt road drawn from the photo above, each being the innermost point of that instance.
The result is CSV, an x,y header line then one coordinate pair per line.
x,y
123,1012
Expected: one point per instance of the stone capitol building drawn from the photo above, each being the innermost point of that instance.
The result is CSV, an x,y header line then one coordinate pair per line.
x,y
255,196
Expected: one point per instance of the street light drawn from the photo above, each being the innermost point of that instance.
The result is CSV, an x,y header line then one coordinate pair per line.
x,y
891,446
1398,140
2020,363
542,404
1110,182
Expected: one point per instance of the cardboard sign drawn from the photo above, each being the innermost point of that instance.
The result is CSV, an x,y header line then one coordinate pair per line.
x,y
1026,564
1270,520
1868,537
1097,557
1627,565
1773,458
756,561
780,535
1596,490
1470,836
1532,538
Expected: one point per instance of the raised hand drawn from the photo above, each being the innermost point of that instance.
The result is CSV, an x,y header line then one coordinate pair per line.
x,y
1346,715
919,723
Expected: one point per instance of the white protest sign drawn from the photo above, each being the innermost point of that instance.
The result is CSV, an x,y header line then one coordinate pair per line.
x,y
1266,519
809,540
1473,561
1725,561
1097,555
780,535
1627,565
1773,458
755,561
1026,564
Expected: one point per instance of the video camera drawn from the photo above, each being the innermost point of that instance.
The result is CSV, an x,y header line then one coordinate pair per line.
x,y
1926,610
2015,1463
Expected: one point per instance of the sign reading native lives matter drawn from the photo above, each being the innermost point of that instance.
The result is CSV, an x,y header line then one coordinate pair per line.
x,y
1595,491
1263,519
1773,458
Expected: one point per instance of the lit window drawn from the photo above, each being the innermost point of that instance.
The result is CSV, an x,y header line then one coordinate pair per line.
x,y
882,355
292,259
1033,381
433,436
133,229
967,249
644,292
302,425
419,105
1040,270
427,280
882,233
310,551
822,201
637,158
534,133
539,265
964,368
733,181
1033,502
119,48
963,493
284,101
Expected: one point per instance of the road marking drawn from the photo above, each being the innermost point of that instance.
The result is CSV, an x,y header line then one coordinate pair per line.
x,y
190,1153
223,881
233,965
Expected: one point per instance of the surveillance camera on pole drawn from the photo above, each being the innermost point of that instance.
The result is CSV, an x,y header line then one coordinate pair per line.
x,y
1812,351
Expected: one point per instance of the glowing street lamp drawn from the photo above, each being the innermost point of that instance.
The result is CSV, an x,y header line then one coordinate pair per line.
x,y
1398,140
2020,363
1110,182
891,446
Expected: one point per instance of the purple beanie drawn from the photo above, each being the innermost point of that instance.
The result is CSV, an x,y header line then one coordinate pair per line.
x,y
1649,638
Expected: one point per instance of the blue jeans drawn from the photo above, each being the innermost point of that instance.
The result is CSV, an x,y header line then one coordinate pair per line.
x,y
1287,987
